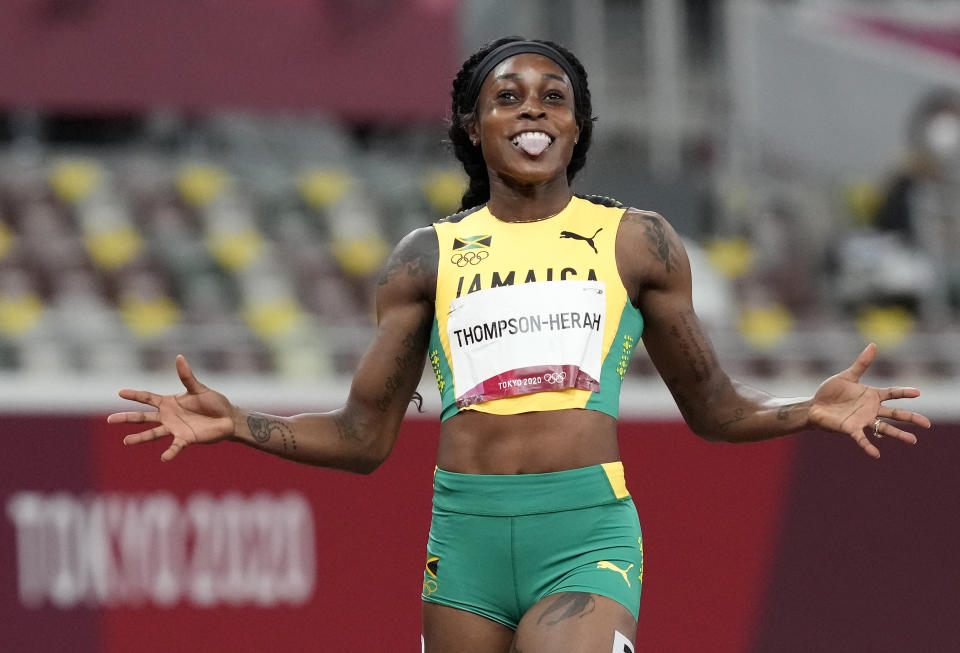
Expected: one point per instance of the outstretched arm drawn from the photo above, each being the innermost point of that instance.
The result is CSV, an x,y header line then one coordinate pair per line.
x,y
356,437
656,272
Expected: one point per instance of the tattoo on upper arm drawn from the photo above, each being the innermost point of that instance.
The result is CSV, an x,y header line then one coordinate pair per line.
x,y
412,350
658,239
262,428
568,605
679,396
693,346
783,413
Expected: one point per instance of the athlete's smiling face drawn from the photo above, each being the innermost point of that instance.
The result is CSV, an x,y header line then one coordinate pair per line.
x,y
525,120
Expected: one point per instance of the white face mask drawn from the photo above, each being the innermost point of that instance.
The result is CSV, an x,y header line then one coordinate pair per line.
x,y
942,138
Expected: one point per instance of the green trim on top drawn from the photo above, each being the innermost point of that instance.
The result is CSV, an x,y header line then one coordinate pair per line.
x,y
615,364
444,375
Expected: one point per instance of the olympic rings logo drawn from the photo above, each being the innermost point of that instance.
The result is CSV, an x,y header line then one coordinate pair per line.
x,y
462,259
555,377
429,587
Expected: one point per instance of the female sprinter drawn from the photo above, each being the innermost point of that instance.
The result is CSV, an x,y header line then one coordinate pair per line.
x,y
528,303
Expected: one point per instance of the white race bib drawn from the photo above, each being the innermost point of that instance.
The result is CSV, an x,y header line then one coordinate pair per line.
x,y
526,338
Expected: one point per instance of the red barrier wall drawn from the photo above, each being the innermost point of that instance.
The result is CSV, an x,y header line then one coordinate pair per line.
x,y
105,548
352,59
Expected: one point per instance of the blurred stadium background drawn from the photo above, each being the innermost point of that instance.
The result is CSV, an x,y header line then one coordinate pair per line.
x,y
224,180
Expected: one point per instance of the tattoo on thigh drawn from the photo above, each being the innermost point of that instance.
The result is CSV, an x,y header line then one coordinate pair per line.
x,y
568,605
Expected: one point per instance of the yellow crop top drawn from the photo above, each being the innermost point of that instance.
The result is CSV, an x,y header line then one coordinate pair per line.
x,y
532,316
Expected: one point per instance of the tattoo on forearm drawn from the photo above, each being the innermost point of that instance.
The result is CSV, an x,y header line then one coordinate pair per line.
x,y
262,428
738,416
693,346
258,428
568,605
410,354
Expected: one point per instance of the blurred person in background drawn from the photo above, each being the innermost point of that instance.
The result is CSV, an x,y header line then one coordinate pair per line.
x,y
921,202
528,304
909,254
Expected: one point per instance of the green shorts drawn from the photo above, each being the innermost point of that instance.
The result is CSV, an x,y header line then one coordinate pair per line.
x,y
499,544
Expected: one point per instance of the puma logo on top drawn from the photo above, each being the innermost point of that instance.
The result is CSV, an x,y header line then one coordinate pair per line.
x,y
589,241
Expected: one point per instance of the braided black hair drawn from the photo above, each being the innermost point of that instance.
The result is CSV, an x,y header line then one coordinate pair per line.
x,y
463,113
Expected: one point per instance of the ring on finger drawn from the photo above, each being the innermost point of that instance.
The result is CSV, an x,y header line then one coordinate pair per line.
x,y
876,429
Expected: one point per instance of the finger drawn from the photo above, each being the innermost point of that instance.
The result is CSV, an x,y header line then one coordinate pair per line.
x,y
175,447
147,436
187,378
864,443
902,415
133,417
888,430
863,361
899,393
142,396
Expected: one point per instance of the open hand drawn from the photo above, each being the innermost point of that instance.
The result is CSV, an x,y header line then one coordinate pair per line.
x,y
198,416
845,405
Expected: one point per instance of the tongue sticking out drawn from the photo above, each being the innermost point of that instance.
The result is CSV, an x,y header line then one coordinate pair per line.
x,y
533,144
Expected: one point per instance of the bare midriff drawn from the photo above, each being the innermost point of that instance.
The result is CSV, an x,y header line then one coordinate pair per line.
x,y
529,443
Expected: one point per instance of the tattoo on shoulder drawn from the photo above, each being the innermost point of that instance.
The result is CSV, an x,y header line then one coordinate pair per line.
x,y
658,239
567,606
416,258
262,428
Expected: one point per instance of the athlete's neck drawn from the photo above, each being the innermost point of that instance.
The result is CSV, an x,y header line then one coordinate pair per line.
x,y
527,203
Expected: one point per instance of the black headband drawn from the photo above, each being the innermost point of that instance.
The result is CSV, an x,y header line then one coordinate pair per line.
x,y
507,50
